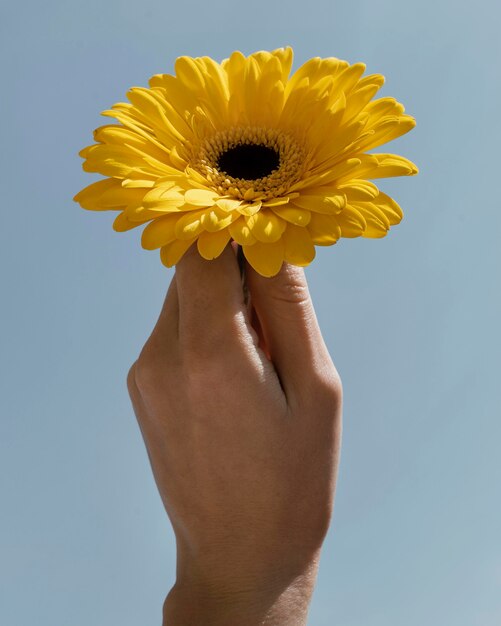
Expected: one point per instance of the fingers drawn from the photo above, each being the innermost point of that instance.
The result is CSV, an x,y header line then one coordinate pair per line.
x,y
290,329
211,301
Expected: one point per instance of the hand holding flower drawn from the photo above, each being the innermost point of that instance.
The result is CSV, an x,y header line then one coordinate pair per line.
x,y
240,410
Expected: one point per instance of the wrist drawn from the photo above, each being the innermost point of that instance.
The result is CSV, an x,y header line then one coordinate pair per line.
x,y
244,599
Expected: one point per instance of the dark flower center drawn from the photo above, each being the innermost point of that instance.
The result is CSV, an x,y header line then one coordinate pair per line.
x,y
249,161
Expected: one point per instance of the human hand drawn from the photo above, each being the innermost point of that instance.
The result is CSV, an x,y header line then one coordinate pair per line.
x,y
240,411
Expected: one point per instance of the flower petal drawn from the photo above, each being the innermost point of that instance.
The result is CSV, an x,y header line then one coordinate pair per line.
x,y
90,197
122,223
389,207
387,130
357,99
200,197
328,204
266,226
190,224
173,251
250,209
241,233
359,190
298,246
351,222
324,229
215,219
294,215
228,204
152,111
393,165
280,200
159,232
166,197
265,258
210,245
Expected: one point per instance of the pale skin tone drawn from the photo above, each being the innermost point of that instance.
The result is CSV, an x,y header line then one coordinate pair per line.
x,y
239,406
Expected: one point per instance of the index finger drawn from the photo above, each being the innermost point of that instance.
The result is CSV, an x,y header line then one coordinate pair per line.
x,y
212,309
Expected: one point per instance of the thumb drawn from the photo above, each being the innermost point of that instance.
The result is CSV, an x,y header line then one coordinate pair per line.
x,y
285,311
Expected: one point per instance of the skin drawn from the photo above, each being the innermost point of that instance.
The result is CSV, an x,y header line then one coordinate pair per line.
x,y
239,405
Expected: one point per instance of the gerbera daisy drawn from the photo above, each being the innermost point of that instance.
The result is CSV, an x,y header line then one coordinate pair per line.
x,y
242,150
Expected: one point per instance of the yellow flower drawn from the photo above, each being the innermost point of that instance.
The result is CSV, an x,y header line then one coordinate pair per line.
x,y
242,150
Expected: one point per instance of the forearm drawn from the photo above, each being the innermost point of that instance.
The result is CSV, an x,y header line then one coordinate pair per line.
x,y
245,602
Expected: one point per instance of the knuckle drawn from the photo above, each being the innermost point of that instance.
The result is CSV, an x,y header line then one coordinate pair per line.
x,y
131,380
290,286
329,387
148,369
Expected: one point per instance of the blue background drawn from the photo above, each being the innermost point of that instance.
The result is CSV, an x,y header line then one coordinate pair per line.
x,y
412,321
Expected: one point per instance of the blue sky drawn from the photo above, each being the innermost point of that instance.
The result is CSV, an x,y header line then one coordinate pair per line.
x,y
412,321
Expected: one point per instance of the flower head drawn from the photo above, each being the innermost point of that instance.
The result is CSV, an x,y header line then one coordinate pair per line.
x,y
241,150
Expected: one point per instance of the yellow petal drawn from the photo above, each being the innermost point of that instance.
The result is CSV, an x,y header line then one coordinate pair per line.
x,y
228,204
387,131
324,229
393,165
174,92
351,222
299,248
294,215
146,184
374,215
90,197
350,76
152,112
122,223
249,194
235,68
210,245
329,205
265,258
122,196
359,190
120,162
389,207
119,135
215,219
241,233
314,70
165,197
357,100
159,232
250,209
285,56
266,226
173,251
176,159
280,200
140,214
189,225
216,80
374,229
189,74
333,170
200,197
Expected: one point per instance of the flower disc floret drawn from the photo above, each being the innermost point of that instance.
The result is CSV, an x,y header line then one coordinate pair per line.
x,y
290,156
